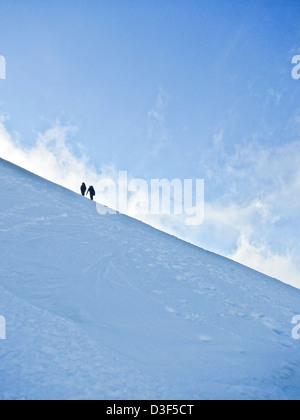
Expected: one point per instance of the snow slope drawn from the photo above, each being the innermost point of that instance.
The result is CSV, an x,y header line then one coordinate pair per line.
x,y
106,307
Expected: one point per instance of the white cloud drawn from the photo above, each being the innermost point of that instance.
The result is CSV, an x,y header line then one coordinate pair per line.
x,y
158,134
50,158
255,206
252,217
262,259
53,159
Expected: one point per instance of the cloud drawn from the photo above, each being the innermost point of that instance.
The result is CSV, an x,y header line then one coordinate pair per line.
x,y
50,158
262,259
158,135
252,207
53,158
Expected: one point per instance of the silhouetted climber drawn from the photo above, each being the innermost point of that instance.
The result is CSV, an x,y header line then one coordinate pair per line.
x,y
83,188
92,192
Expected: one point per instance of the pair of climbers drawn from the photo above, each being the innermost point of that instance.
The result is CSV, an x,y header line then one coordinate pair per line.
x,y
90,191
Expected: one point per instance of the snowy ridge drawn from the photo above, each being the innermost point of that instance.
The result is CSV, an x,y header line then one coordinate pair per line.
x,y
106,307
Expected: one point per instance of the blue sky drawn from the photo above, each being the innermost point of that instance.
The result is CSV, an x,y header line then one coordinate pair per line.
x,y
168,89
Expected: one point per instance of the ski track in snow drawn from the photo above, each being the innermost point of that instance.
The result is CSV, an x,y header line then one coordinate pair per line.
x,y
106,307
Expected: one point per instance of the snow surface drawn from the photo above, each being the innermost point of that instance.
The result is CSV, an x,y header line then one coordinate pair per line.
x,y
106,307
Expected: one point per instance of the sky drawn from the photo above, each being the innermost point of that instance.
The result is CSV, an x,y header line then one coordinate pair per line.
x,y
174,89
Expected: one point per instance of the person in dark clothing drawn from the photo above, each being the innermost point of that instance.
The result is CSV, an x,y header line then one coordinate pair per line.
x,y
92,192
83,188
